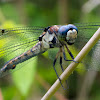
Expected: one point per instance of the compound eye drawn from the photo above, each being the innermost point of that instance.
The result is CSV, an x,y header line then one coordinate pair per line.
x,y
67,32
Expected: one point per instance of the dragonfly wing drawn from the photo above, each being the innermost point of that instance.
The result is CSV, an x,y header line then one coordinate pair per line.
x,y
85,32
15,41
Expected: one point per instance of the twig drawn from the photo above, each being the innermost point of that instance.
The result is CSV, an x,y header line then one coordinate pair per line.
x,y
73,65
1,98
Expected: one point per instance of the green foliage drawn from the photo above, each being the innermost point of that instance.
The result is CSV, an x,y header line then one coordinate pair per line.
x,y
40,13
24,77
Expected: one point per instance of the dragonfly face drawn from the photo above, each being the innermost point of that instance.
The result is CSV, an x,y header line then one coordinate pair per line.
x,y
68,33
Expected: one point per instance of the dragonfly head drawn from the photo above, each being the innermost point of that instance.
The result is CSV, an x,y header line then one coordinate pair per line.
x,y
67,33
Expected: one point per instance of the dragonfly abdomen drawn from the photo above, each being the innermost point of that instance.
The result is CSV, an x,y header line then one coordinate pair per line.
x,y
11,64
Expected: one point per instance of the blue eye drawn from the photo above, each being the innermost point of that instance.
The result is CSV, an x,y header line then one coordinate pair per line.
x,y
64,33
71,27
65,28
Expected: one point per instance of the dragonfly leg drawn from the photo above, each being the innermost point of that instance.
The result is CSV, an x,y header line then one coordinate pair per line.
x,y
62,68
65,56
69,54
56,71
61,63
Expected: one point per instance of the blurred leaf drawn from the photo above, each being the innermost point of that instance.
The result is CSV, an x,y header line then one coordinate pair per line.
x,y
8,92
8,24
24,77
9,12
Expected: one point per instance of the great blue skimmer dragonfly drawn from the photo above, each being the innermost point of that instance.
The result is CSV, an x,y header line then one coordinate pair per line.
x,y
32,41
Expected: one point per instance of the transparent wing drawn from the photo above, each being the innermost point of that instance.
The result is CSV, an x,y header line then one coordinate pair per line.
x,y
86,31
15,41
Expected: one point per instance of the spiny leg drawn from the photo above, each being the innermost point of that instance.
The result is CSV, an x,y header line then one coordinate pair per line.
x,y
69,54
65,55
61,63
55,68
61,56
62,67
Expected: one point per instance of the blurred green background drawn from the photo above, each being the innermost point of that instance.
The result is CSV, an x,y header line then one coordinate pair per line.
x,y
33,80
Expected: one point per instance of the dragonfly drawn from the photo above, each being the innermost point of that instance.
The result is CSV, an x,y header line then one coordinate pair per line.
x,y
20,44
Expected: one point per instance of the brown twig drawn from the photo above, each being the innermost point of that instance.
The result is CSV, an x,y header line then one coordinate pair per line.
x,y
1,98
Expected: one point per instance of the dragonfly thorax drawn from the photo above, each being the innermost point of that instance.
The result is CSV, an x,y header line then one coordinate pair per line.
x,y
49,38
46,39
